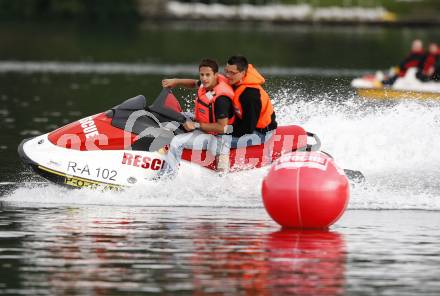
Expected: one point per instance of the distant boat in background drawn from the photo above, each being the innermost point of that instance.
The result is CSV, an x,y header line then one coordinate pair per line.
x,y
407,87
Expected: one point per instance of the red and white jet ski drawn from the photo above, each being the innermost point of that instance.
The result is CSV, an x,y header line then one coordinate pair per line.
x,y
126,146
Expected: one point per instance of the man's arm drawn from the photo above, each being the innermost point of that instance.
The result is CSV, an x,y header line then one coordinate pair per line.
x,y
216,127
173,82
251,109
223,110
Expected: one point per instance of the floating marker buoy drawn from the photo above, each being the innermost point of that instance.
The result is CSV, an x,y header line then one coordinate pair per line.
x,y
305,190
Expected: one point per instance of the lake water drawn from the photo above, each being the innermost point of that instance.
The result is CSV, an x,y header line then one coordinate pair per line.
x,y
184,237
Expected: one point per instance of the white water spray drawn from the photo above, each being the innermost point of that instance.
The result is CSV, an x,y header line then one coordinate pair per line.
x,y
394,144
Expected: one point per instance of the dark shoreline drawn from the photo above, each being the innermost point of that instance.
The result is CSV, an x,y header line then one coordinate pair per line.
x,y
335,23
220,23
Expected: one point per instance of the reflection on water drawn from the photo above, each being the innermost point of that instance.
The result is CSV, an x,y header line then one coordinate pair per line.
x,y
101,251
204,250
214,249
282,262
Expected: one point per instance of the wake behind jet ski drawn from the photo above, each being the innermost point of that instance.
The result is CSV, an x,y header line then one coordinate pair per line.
x,y
126,146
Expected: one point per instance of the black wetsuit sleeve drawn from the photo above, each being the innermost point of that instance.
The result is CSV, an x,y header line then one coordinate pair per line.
x,y
407,59
251,107
223,107
412,60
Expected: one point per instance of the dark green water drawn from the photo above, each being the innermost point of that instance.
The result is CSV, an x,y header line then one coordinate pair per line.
x,y
214,237
99,250
265,45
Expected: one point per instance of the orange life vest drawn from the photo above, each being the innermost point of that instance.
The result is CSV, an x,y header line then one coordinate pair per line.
x,y
204,109
254,79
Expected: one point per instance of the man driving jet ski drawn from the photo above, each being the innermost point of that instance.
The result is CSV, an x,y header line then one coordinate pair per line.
x,y
254,120
213,116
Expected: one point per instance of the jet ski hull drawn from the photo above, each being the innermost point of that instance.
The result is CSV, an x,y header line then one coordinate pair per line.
x,y
392,94
118,169
126,146
107,170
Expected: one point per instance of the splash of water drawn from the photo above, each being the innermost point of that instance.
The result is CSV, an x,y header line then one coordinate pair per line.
x,y
188,189
393,144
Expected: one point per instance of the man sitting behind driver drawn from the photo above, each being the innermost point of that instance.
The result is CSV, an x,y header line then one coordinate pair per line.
x,y
213,113
255,120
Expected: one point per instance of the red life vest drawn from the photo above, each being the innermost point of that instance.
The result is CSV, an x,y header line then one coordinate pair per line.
x,y
254,79
204,109
429,64
413,60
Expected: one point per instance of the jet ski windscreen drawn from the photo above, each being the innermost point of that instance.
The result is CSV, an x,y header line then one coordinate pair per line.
x,y
166,104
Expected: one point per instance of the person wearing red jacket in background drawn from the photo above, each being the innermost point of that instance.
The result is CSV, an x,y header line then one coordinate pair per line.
x,y
414,59
427,68
436,75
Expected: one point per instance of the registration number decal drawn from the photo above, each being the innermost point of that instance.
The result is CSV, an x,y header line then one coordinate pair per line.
x,y
88,171
81,183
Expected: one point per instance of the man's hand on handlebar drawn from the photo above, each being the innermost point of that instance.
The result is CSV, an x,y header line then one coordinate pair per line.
x,y
190,125
169,83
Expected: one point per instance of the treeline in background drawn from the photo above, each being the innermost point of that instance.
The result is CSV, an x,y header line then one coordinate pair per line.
x,y
111,10
98,10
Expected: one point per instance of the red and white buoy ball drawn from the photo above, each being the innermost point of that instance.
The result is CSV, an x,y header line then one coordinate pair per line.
x,y
305,190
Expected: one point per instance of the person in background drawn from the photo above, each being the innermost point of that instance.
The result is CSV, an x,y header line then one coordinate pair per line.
x,y
213,114
436,75
427,68
253,108
414,59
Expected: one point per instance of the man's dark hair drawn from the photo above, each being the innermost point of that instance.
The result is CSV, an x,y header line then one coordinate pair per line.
x,y
240,61
209,63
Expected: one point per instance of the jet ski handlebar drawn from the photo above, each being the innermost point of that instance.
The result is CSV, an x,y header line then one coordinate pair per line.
x,y
316,146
